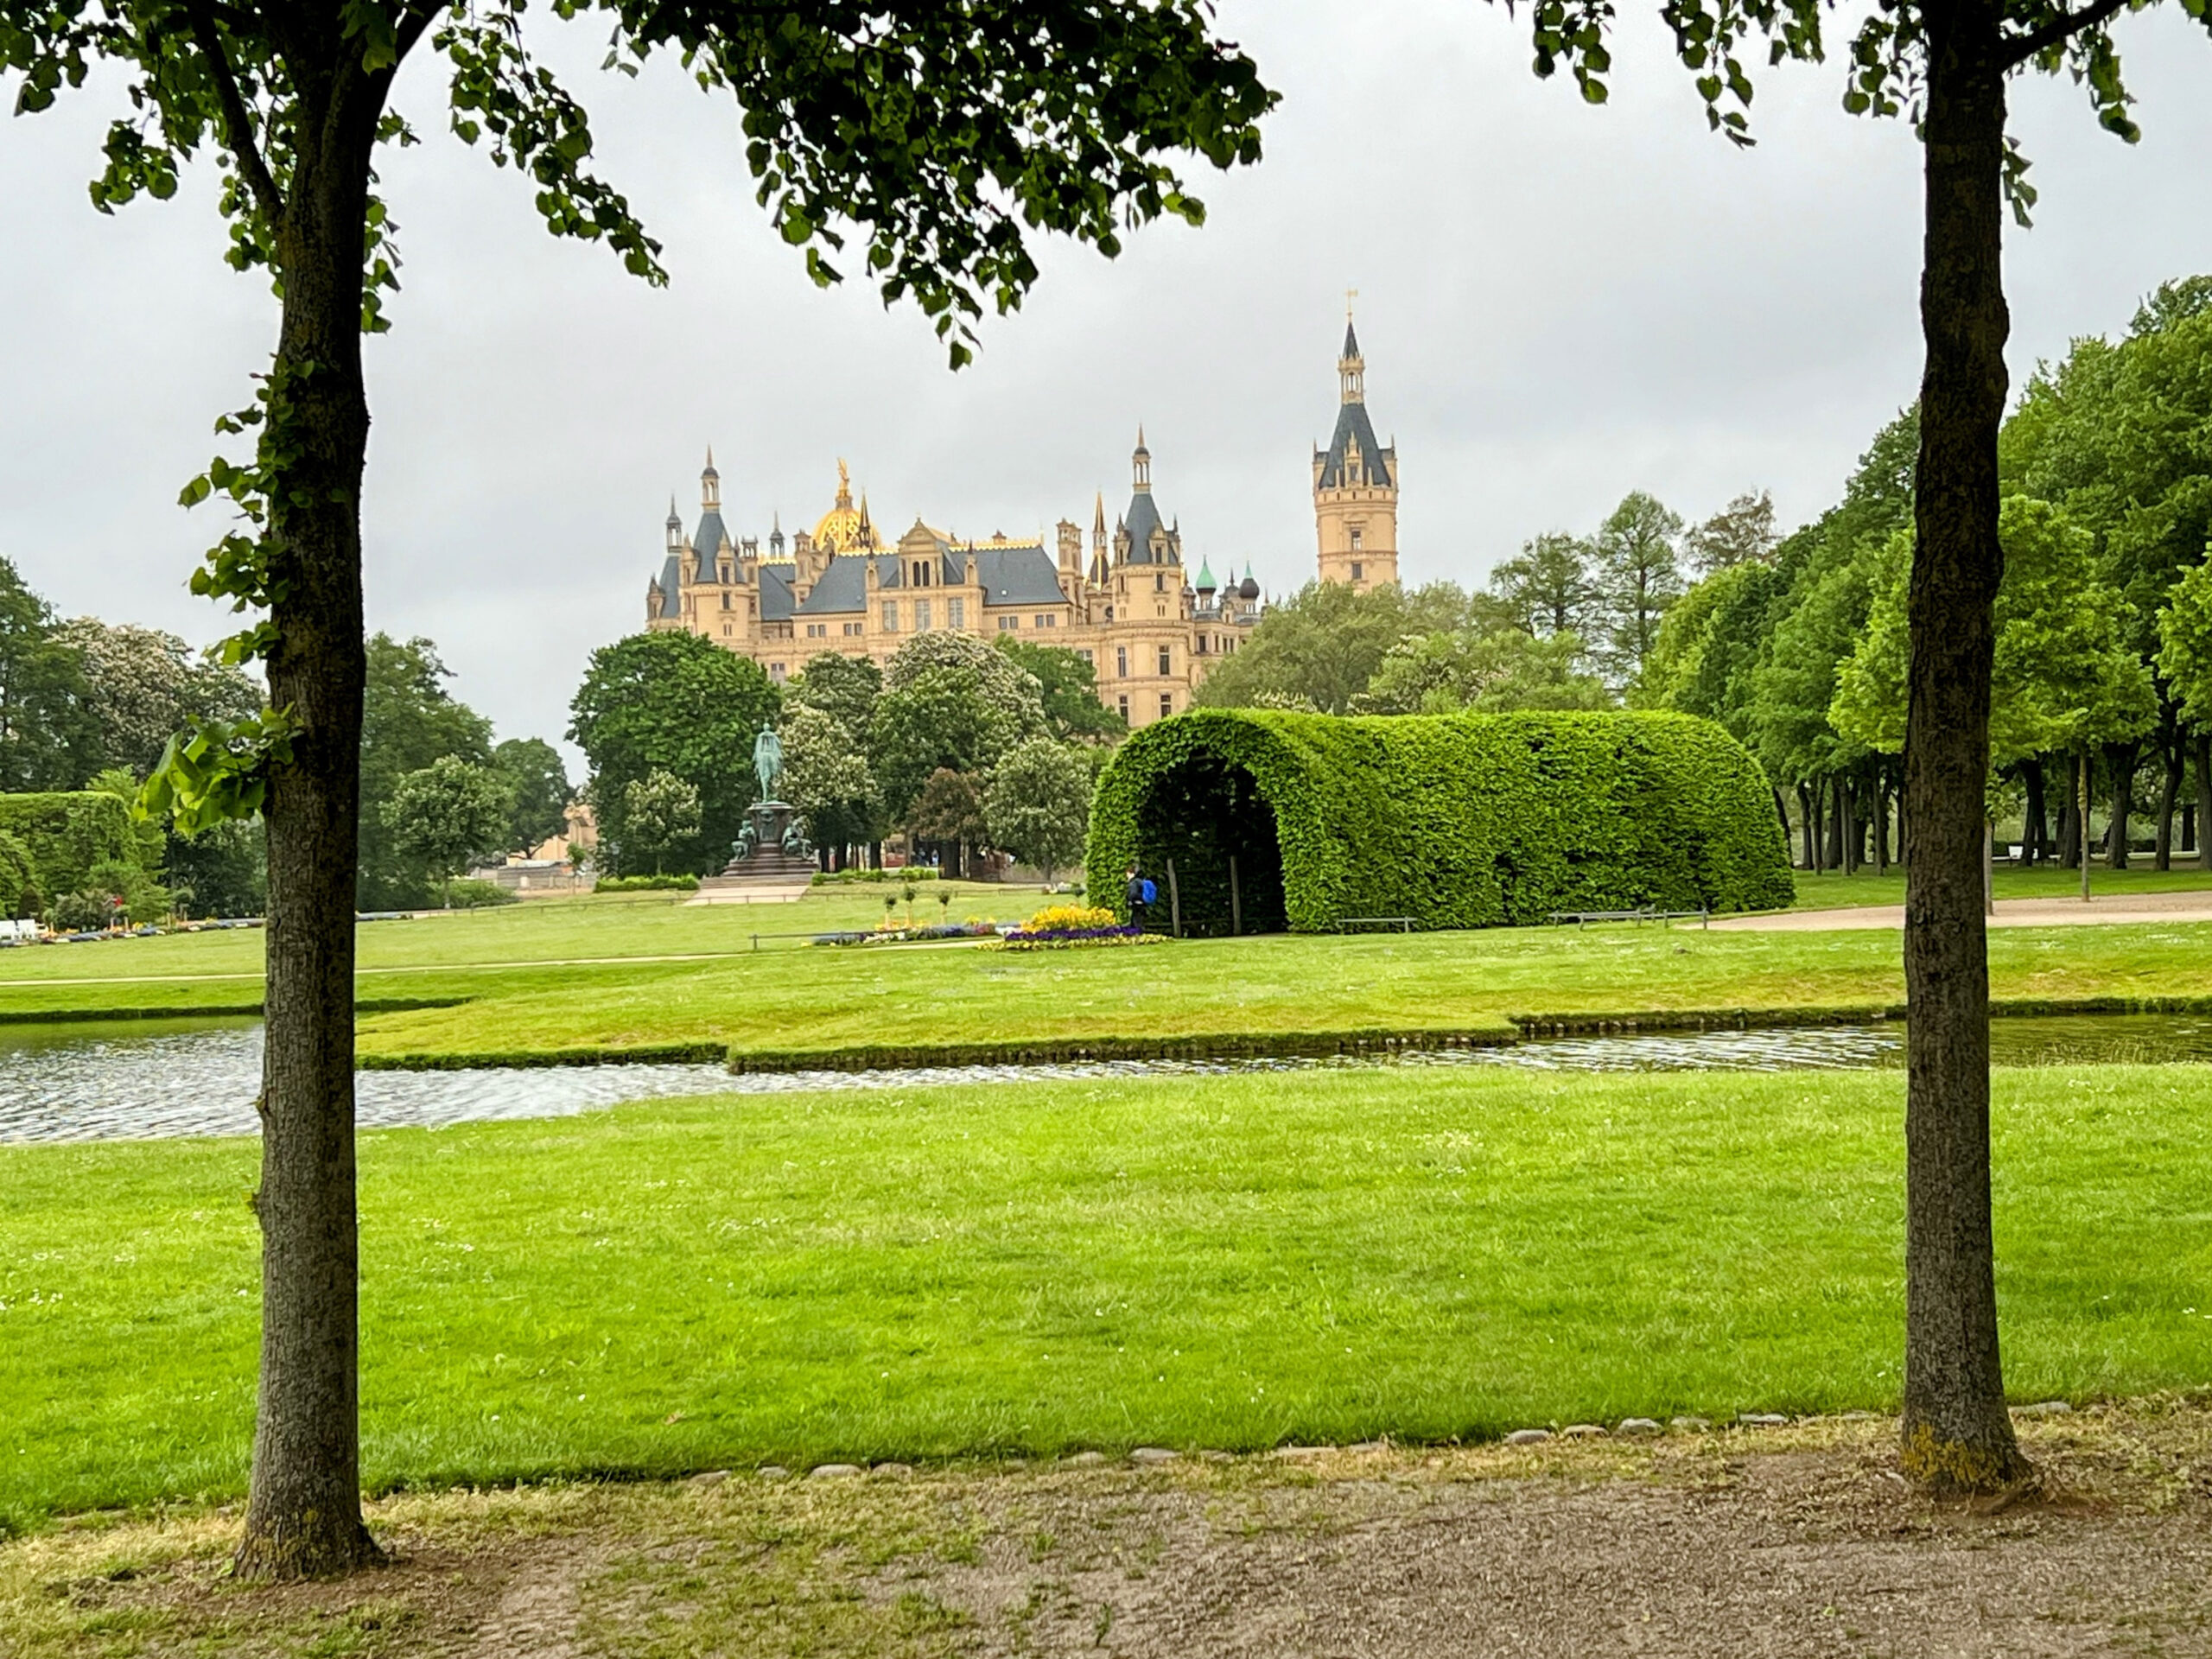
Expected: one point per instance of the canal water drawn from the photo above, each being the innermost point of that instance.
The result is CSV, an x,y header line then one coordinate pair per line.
x,y
138,1078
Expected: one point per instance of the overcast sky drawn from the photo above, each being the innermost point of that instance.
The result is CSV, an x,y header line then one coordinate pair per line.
x,y
1559,304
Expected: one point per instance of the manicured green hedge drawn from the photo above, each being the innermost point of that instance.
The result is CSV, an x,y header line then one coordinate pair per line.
x,y
67,834
1455,820
646,884
16,873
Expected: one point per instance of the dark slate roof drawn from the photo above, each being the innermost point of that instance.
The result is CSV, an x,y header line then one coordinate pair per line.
x,y
708,542
843,586
1374,460
1021,575
1351,340
671,578
775,593
1141,519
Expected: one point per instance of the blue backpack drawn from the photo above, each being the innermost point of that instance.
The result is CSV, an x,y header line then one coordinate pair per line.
x,y
1151,892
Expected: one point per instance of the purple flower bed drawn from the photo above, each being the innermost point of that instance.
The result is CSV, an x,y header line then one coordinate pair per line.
x,y
1075,935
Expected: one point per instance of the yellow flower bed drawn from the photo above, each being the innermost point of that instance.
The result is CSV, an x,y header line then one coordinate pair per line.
x,y
1069,919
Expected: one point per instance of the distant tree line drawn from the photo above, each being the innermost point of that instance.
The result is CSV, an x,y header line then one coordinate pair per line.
x,y
88,704
2103,683
961,746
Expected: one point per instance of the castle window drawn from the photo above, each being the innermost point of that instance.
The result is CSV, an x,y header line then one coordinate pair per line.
x,y
1160,582
817,630
1356,533
1166,661
921,616
1122,665
1110,612
1046,620
891,616
725,630
1202,644
776,672
1086,656
1167,704
956,614
852,628
1358,571
725,601
1125,710
1007,622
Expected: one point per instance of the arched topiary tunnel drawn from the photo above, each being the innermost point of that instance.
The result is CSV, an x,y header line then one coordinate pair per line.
x,y
1456,820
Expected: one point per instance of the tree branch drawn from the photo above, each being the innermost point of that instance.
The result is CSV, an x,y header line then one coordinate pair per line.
x,y
2060,30
418,18
236,122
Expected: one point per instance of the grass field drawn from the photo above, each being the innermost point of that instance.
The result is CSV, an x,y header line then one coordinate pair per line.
x,y
1227,1262
1829,888
606,978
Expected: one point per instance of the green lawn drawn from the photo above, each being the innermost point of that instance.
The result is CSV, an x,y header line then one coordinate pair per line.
x,y
606,978
1227,1262
1831,889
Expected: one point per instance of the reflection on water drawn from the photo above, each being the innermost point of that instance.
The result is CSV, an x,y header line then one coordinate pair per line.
x,y
145,1077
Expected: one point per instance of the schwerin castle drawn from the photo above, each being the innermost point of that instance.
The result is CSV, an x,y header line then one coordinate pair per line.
x,y
1149,628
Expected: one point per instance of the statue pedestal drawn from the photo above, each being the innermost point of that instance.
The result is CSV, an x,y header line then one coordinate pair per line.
x,y
764,859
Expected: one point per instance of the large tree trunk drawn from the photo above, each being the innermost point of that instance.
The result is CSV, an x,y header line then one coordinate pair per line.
x,y
2121,757
303,1512
2201,744
1957,1436
2170,751
2035,835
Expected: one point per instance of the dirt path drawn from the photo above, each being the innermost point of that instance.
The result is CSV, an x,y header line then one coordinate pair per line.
x,y
2194,905
1764,1541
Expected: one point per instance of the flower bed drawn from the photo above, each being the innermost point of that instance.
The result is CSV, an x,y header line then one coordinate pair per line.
x,y
1059,927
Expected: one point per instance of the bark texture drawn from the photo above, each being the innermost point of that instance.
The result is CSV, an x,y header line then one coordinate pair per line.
x,y
304,1514
1957,1434
2121,758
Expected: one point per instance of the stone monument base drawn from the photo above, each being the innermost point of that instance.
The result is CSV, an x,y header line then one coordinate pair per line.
x,y
768,862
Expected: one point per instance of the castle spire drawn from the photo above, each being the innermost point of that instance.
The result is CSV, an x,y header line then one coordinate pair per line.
x,y
1351,368
1141,466
710,486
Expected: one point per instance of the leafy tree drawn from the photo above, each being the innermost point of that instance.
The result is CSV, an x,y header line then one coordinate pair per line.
x,y
672,702
945,136
1740,533
2064,676
447,813
19,894
1709,643
1012,695
47,737
1323,644
845,688
1070,688
942,720
660,812
2185,643
1948,63
949,810
224,867
531,771
1493,673
826,776
409,720
1037,806
142,684
1552,588
1639,576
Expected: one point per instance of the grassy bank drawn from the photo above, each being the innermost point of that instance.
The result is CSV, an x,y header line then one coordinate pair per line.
x,y
1832,889
1228,1262
595,979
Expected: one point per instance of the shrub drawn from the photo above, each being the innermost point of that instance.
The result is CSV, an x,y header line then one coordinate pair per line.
x,y
84,912
1456,820
646,884
481,895
67,833
846,878
18,876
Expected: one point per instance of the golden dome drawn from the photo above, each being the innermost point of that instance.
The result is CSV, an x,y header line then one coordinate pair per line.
x,y
844,527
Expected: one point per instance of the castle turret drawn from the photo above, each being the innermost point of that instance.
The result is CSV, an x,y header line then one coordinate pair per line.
x,y
1356,485
710,486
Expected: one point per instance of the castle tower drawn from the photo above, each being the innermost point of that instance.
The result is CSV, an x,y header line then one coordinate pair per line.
x,y
1356,487
710,486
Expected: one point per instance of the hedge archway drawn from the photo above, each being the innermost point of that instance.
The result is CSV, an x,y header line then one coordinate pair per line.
x,y
1456,820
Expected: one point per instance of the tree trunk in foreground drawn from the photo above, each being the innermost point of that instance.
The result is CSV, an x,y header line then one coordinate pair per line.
x,y
2201,743
1957,1435
2170,751
2123,758
303,1512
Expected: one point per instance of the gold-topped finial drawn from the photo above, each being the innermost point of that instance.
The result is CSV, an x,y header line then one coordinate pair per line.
x,y
1351,294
